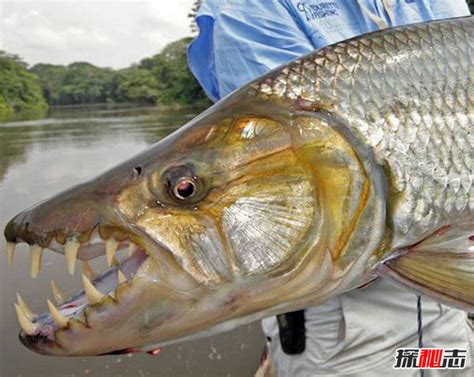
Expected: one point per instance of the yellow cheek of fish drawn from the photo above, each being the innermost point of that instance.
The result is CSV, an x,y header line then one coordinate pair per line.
x,y
341,180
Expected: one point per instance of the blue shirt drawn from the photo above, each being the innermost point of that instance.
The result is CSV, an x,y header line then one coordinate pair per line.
x,y
240,40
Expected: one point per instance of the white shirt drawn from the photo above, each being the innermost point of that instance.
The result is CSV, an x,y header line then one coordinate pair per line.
x,y
357,334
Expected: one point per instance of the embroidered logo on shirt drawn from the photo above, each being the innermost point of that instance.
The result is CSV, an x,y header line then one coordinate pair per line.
x,y
318,11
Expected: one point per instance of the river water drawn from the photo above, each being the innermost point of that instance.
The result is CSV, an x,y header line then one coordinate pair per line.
x,y
39,158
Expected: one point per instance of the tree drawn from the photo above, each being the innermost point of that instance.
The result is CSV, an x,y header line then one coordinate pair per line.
x,y
77,83
136,85
176,82
163,78
84,83
20,92
50,78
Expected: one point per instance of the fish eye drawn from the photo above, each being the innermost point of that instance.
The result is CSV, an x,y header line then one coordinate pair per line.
x,y
184,184
185,188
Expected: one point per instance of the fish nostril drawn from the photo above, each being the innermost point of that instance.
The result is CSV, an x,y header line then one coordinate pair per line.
x,y
137,170
10,232
19,229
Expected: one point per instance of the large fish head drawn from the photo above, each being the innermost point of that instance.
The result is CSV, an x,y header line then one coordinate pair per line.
x,y
229,219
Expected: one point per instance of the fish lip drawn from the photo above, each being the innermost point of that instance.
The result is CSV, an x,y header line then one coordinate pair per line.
x,y
117,352
32,342
47,347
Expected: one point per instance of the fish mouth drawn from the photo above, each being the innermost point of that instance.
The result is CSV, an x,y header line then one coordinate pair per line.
x,y
42,333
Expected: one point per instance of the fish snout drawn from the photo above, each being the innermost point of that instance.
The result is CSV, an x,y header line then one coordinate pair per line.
x,y
80,224
73,213
76,223
54,219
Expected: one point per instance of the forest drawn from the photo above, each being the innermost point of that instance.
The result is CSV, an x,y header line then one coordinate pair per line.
x,y
20,91
26,93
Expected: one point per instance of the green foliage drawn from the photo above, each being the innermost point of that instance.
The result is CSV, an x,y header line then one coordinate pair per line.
x,y
162,79
84,83
175,81
78,83
20,92
136,85
50,77
471,5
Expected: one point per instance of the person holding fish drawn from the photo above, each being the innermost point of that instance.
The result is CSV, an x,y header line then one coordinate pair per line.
x,y
357,333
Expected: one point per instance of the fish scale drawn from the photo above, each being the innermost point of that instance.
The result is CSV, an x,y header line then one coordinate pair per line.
x,y
409,95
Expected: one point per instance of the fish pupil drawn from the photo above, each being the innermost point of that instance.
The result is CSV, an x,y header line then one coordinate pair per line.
x,y
184,189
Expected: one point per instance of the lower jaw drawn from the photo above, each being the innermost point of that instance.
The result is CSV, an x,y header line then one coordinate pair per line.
x,y
39,335
40,345
108,326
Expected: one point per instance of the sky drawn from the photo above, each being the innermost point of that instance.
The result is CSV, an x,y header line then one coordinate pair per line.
x,y
106,33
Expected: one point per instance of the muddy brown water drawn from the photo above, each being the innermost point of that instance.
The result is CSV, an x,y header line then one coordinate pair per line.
x,y
39,158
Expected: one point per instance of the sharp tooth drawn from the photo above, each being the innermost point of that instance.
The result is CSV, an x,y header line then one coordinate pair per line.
x,y
131,248
28,327
36,252
70,251
57,294
10,252
121,277
111,246
58,318
92,294
26,310
87,269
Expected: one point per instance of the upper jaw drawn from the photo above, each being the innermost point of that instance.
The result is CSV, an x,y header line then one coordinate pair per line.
x,y
84,245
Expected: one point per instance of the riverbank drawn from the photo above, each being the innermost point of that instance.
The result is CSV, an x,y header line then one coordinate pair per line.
x,y
9,114
101,109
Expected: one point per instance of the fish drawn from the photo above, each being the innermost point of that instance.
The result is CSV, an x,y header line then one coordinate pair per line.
x,y
350,164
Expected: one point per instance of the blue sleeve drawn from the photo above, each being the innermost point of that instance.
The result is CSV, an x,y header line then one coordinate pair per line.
x,y
413,11
201,57
249,38
201,50
449,8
